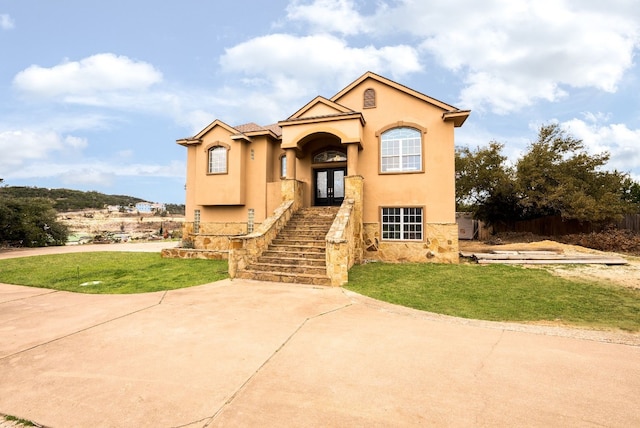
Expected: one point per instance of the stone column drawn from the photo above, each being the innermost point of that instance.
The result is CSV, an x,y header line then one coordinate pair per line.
x,y
291,190
354,189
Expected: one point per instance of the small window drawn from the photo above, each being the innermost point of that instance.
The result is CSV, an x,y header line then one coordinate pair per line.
x,y
369,98
401,150
217,160
196,221
283,166
402,224
251,215
330,156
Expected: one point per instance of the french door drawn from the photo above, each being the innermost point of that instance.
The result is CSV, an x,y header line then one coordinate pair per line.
x,y
329,186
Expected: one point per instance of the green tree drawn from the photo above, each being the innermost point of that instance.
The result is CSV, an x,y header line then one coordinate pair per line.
x,y
558,177
631,193
30,222
485,184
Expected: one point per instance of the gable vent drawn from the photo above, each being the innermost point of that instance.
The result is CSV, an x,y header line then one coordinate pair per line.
x,y
369,98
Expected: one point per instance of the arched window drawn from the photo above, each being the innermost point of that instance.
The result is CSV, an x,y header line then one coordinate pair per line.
x,y
369,98
401,150
217,160
330,156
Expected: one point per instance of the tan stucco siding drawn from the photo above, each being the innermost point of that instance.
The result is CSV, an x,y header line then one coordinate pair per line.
x,y
253,180
434,187
347,130
220,188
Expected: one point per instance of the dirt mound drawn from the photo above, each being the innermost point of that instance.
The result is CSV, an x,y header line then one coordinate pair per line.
x,y
616,240
624,275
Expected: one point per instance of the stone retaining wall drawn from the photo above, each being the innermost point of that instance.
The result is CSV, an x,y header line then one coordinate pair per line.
x,y
440,245
190,253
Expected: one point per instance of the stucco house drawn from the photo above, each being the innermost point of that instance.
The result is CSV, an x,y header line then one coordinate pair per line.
x,y
367,174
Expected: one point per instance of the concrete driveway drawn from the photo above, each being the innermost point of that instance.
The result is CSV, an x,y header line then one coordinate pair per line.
x,y
245,353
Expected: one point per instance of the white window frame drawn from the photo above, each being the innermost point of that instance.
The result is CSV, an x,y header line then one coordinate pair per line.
x,y
402,223
401,150
217,160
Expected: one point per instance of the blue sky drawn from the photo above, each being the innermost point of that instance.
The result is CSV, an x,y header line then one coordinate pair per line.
x,y
93,95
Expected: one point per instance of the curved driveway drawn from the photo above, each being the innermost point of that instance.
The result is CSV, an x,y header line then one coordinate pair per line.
x,y
246,353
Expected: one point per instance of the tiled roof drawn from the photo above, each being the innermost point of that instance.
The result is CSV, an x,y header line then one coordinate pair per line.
x,y
249,127
253,127
275,128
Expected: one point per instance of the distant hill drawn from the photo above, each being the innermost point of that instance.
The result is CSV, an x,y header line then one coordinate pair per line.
x,y
69,200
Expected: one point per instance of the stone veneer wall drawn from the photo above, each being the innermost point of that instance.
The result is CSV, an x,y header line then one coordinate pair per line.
x,y
440,245
213,235
190,253
340,252
243,250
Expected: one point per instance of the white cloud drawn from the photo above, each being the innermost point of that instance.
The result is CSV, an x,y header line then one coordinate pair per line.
x,y
294,67
509,54
336,16
20,146
615,138
79,175
89,80
99,173
76,142
279,56
91,171
6,22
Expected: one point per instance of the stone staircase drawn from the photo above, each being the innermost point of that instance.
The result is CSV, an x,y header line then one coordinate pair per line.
x,y
297,254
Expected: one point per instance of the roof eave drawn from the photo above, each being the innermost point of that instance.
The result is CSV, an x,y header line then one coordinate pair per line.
x,y
328,118
458,117
186,142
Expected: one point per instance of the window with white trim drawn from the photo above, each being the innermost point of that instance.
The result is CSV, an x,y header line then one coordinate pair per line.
x,y
217,160
402,224
401,150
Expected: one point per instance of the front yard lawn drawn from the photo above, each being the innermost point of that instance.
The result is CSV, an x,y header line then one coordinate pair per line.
x,y
110,272
499,293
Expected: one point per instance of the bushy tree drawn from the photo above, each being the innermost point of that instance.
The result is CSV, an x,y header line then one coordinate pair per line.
x,y
556,176
30,222
485,184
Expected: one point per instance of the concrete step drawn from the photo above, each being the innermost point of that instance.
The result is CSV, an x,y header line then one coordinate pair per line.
x,y
290,268
285,277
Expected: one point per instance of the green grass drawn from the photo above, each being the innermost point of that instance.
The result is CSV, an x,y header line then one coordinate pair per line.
x,y
499,293
18,421
110,272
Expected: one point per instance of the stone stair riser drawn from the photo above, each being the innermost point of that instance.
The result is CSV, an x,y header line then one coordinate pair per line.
x,y
297,254
320,255
298,279
292,261
307,270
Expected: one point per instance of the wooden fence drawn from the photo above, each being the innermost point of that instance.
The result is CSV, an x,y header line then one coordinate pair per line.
x,y
556,226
